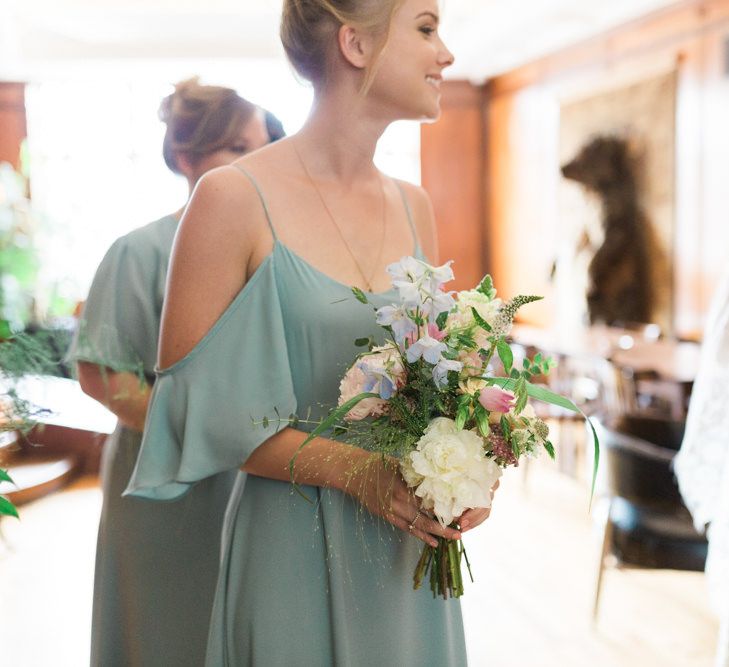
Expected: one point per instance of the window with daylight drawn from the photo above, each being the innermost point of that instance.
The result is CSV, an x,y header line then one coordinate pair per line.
x,y
96,165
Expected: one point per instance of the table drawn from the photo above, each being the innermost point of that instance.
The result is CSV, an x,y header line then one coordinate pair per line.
x,y
662,370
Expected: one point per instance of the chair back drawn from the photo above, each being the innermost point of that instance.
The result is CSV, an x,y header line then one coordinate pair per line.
x,y
639,470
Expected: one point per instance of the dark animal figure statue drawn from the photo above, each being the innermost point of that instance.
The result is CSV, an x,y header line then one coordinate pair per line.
x,y
620,285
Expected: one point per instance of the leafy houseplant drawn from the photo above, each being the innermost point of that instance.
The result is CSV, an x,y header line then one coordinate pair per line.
x,y
18,258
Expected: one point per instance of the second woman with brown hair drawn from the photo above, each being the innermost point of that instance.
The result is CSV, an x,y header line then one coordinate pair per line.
x,y
156,564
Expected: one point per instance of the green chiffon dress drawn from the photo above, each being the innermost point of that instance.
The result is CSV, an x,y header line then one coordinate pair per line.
x,y
156,563
301,583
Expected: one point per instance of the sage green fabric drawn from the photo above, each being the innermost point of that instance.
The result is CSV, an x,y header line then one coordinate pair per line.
x,y
156,563
302,583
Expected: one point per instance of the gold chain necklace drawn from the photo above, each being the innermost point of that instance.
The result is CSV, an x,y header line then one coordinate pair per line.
x,y
368,281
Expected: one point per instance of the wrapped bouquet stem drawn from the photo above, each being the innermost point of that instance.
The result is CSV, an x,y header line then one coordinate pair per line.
x,y
444,397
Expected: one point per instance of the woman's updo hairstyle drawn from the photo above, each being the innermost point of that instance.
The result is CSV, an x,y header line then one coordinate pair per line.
x,y
201,120
309,29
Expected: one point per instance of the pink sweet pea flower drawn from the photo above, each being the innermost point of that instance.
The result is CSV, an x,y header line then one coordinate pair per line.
x,y
495,399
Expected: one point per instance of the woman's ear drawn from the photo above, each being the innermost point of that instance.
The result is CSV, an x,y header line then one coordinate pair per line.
x,y
355,45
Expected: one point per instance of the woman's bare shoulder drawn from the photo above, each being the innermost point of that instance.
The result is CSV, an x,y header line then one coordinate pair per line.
x,y
221,240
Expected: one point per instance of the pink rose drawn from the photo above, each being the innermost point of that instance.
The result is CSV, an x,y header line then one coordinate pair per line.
x,y
351,385
495,399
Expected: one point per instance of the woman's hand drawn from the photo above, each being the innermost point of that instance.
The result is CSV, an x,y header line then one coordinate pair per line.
x,y
125,394
378,485
475,517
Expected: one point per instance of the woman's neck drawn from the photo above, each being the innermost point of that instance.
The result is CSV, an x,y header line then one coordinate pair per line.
x,y
340,137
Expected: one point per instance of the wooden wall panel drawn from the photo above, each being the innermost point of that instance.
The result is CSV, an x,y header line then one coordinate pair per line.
x,y
452,156
522,160
12,121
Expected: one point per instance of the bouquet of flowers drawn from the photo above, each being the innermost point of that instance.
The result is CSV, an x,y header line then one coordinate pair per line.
x,y
443,398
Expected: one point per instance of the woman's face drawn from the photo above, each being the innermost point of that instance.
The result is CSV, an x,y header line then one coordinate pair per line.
x,y
252,135
410,69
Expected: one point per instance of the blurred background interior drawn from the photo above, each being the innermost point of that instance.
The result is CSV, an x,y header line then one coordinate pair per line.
x,y
582,154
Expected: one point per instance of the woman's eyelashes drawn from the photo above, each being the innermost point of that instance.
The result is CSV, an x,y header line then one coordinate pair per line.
x,y
427,30
239,148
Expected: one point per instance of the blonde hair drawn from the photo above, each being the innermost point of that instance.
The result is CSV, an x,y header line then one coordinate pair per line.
x,y
309,29
201,120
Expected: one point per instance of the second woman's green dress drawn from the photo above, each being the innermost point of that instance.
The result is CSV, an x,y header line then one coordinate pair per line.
x,y
302,583
156,563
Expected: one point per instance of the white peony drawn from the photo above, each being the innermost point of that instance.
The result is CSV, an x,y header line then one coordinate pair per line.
x,y
449,470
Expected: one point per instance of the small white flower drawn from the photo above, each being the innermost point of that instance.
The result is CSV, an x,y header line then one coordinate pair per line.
x,y
396,317
441,369
430,349
410,294
444,273
408,269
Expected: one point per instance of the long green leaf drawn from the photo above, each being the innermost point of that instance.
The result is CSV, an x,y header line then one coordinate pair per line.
x,y
482,419
4,477
505,354
480,321
7,508
545,395
333,417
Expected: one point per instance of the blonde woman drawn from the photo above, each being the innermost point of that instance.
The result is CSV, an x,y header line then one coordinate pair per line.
x,y
259,316
156,564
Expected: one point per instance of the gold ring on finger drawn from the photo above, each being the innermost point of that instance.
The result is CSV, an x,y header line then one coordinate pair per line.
x,y
415,518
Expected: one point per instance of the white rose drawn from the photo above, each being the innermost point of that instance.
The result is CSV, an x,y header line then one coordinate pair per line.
x,y
449,470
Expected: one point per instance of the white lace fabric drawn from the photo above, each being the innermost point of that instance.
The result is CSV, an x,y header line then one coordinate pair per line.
x,y
702,464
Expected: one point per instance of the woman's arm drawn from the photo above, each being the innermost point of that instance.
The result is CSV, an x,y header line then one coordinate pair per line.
x,y
375,482
123,393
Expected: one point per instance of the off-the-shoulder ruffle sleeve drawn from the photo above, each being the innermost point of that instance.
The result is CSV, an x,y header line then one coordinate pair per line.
x,y
201,416
120,322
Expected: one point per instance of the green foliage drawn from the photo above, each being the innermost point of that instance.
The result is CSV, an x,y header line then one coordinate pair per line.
x,y
6,507
19,262
480,321
486,287
505,354
481,416
360,295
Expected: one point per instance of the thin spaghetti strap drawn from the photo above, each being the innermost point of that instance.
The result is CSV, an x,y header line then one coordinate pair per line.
x,y
409,214
261,197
